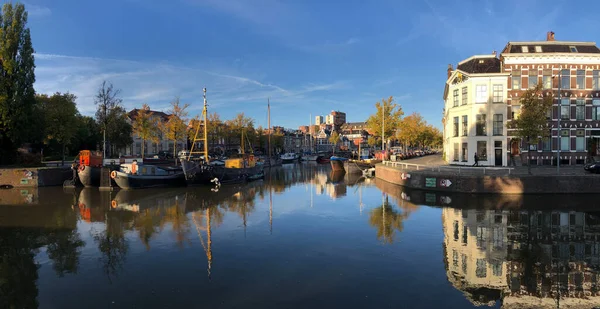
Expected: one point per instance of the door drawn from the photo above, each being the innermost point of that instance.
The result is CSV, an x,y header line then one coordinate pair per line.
x,y
498,157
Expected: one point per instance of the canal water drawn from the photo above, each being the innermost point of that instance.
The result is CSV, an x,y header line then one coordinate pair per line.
x,y
302,238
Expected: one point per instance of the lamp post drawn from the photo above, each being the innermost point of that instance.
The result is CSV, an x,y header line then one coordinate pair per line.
x,y
383,131
558,120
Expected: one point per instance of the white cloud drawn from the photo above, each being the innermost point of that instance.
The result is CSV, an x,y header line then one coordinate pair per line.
x,y
37,10
157,84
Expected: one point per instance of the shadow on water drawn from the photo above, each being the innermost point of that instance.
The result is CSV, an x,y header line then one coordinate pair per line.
x,y
517,251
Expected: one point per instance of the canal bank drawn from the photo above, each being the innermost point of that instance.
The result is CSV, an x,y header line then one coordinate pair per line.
x,y
27,177
487,180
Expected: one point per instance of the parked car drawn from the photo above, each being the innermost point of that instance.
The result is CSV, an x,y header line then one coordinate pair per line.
x,y
183,154
593,167
163,154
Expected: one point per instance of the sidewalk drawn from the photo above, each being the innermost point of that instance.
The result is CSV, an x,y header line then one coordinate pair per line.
x,y
436,164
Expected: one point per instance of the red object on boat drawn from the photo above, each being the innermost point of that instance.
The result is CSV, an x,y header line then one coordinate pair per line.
x,y
87,158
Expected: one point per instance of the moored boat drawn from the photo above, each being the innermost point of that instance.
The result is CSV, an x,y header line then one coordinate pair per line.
x,y
289,157
356,166
337,163
310,157
134,176
90,165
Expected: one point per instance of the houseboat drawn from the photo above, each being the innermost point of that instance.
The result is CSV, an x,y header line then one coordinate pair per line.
x,y
134,176
289,157
90,166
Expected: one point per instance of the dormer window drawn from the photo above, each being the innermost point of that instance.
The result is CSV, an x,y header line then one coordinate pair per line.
x,y
573,49
524,49
538,49
480,61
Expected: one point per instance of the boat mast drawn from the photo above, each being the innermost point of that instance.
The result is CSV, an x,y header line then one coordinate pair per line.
x,y
269,120
205,135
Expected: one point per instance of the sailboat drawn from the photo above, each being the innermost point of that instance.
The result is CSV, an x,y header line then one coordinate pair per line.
x,y
201,172
271,161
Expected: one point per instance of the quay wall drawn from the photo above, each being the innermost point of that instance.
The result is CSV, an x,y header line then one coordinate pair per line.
x,y
521,184
34,177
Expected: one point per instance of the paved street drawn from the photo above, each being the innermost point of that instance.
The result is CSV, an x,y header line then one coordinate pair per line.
x,y
437,164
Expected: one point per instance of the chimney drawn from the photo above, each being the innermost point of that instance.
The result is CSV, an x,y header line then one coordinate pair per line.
x,y
494,53
450,69
550,36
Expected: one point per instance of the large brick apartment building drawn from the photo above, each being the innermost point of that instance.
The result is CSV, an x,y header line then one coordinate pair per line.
x,y
572,67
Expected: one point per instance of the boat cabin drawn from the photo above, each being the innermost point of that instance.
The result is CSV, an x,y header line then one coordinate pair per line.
x,y
147,170
245,161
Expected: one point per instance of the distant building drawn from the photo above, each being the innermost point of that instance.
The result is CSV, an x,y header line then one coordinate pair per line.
x,y
164,144
329,119
339,118
318,120
355,132
303,129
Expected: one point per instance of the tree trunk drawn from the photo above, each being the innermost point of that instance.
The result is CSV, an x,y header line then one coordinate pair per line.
x,y
175,151
143,144
528,159
63,155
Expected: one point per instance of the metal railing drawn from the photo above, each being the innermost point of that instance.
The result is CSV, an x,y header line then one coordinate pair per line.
x,y
451,168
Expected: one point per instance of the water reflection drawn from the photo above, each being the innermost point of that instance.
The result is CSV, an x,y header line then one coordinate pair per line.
x,y
525,258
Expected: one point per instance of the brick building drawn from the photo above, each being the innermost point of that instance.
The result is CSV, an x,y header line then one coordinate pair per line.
x,y
572,67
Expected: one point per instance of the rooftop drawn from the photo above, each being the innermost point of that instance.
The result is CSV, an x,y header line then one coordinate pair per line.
x,y
134,112
480,64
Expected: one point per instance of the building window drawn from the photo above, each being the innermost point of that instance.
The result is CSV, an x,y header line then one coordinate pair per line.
x,y
573,49
482,150
498,94
596,80
455,151
524,49
455,131
463,258
580,79
465,127
454,258
465,96
516,80
498,126
456,232
465,153
481,94
465,233
515,109
481,270
455,95
596,109
565,140
547,143
547,78
564,109
538,49
533,78
580,140
480,125
497,268
565,79
580,109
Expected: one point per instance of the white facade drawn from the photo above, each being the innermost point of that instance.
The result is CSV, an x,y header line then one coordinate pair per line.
x,y
475,117
318,120
329,119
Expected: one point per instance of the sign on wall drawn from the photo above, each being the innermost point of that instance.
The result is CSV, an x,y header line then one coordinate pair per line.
x,y
430,182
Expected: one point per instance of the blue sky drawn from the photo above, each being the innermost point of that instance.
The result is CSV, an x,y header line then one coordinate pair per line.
x,y
309,56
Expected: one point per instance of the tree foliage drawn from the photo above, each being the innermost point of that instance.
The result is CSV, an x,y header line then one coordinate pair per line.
x,y
531,125
175,129
61,122
16,80
111,116
387,221
334,138
389,112
145,126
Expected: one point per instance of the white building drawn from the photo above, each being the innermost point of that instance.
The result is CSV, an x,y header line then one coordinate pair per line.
x,y
164,144
475,112
329,119
318,120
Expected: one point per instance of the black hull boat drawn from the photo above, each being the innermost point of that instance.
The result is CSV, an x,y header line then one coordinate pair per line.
x,y
356,167
337,163
134,176
208,175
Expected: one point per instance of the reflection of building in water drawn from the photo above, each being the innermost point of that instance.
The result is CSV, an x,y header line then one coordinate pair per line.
x,y
527,258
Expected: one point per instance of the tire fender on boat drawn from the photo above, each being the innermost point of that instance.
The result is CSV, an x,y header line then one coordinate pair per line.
x,y
113,203
81,168
113,174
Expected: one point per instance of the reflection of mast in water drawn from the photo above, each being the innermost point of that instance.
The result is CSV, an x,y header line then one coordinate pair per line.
x,y
207,246
270,211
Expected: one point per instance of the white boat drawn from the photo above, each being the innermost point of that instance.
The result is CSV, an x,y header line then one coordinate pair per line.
x,y
289,157
310,157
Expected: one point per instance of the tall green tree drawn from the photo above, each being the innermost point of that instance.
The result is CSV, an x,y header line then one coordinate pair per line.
x,y
389,113
16,80
88,134
531,125
145,125
108,112
119,130
410,128
175,128
60,111
334,138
